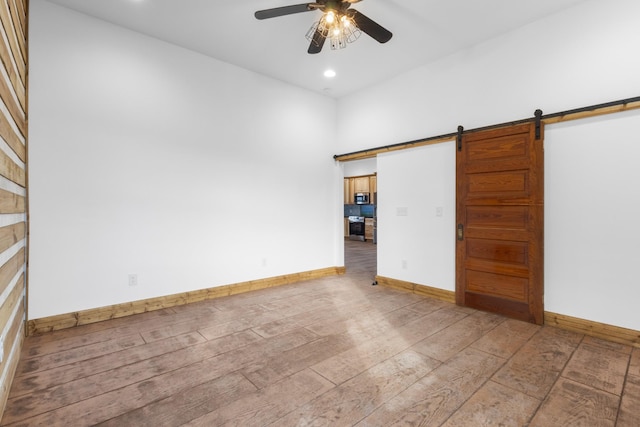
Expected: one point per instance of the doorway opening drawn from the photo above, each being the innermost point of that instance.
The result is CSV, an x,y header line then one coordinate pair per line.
x,y
360,198
361,259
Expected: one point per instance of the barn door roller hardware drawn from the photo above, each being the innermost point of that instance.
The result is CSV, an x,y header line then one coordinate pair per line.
x,y
459,138
538,115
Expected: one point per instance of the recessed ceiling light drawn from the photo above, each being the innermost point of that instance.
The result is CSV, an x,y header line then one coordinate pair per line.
x,y
329,73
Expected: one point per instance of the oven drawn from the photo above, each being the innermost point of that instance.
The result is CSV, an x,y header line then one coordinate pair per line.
x,y
356,228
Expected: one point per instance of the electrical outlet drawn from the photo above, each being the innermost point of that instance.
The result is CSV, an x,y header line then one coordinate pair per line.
x,y
404,264
133,280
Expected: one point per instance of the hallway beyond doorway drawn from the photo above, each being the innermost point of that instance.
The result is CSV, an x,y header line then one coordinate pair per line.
x,y
361,258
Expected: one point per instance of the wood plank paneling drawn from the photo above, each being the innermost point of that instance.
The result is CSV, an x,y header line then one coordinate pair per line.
x,y
9,305
11,203
18,24
17,42
15,72
16,31
12,345
12,139
13,131
11,234
10,268
12,171
16,110
15,331
17,11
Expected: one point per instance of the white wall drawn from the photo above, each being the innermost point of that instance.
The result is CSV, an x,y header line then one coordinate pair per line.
x,y
360,167
416,215
583,56
592,206
150,159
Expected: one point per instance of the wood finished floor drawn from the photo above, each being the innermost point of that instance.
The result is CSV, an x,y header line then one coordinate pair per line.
x,y
336,351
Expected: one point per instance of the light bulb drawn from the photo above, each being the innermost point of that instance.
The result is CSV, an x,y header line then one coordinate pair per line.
x,y
331,16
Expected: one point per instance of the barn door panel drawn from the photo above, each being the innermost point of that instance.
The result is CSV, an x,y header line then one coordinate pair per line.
x,y
499,253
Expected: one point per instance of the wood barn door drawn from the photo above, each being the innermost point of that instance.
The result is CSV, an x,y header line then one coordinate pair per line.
x,y
499,252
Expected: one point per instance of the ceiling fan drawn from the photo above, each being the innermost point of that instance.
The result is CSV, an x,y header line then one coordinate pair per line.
x,y
338,23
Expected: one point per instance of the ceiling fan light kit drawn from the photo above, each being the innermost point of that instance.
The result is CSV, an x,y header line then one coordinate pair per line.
x,y
339,29
339,25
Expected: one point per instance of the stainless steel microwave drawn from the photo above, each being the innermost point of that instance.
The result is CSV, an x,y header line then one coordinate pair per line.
x,y
362,198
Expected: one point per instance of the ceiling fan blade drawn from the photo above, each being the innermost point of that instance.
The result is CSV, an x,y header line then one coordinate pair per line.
x,y
285,10
370,27
317,42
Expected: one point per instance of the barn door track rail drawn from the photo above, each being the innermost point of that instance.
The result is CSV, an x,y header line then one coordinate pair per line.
x,y
562,116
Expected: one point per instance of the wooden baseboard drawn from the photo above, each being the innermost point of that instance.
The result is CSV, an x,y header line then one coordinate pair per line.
x,y
441,294
595,329
70,320
587,327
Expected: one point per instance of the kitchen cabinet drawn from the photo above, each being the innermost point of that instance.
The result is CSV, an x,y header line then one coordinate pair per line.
x,y
361,184
373,189
368,229
349,191
346,227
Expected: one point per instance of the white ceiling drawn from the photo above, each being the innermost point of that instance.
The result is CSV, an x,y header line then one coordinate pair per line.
x,y
423,31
